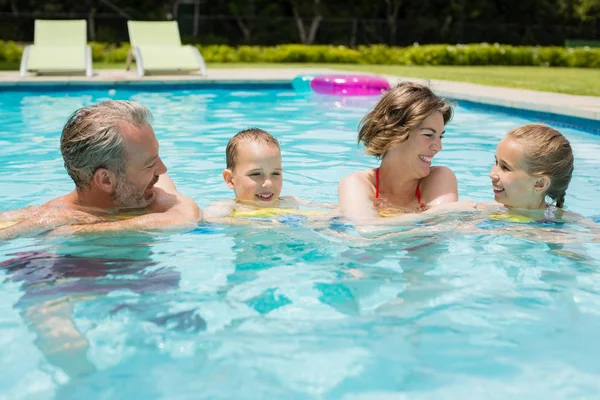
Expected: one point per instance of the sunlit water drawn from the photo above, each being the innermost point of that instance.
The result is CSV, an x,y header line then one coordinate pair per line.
x,y
293,312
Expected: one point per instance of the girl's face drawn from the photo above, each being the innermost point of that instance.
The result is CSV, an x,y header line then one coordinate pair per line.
x,y
512,184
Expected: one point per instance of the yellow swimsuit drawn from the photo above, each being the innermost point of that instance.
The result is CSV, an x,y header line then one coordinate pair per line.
x,y
522,219
390,212
272,212
126,216
6,224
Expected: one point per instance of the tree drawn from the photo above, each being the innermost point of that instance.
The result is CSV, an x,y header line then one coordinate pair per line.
x,y
298,8
245,16
588,10
391,16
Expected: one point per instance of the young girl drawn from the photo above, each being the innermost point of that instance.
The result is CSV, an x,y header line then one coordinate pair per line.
x,y
531,174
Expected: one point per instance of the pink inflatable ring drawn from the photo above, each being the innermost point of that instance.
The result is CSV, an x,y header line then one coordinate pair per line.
x,y
349,85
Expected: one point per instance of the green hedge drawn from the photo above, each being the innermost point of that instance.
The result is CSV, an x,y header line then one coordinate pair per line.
x,y
472,54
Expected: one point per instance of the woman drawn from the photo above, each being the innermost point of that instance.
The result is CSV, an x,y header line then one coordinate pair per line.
x,y
404,130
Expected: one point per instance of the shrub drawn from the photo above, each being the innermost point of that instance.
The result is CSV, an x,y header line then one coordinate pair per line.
x,y
98,51
116,54
10,51
218,53
552,57
436,54
249,54
584,57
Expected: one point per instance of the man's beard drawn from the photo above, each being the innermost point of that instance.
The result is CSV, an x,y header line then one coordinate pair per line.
x,y
126,195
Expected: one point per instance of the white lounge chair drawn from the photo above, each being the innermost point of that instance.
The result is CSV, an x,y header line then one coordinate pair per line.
x,y
58,46
156,46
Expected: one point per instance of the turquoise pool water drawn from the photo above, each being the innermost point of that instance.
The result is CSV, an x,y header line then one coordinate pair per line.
x,y
248,312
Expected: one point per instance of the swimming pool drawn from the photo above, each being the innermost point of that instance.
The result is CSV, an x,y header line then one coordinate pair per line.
x,y
249,312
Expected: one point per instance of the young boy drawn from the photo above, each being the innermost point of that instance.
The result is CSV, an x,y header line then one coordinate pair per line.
x,y
254,172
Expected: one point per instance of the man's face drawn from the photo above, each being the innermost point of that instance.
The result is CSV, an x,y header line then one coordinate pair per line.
x,y
143,166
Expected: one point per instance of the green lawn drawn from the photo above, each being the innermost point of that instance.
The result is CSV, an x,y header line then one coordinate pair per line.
x,y
581,81
561,80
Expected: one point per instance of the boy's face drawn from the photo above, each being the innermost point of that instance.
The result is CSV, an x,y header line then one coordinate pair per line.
x,y
257,176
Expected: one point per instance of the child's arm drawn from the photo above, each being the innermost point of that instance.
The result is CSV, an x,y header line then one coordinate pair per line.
x,y
219,211
310,203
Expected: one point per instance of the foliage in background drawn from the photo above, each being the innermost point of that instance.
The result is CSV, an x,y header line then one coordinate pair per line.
x,y
473,54
338,22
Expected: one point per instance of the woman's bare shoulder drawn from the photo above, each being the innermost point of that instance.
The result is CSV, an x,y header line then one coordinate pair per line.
x,y
441,182
441,172
362,178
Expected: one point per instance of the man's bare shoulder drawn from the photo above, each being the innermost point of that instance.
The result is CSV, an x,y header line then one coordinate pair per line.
x,y
65,201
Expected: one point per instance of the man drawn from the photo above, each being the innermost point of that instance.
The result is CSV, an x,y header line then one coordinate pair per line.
x,y
111,153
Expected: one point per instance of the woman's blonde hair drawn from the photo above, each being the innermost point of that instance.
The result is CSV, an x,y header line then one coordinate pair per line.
x,y
399,111
547,153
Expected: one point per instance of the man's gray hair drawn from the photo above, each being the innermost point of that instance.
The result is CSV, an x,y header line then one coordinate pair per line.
x,y
92,138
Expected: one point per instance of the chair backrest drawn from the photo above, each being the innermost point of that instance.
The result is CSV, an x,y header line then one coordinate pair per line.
x,y
60,32
154,33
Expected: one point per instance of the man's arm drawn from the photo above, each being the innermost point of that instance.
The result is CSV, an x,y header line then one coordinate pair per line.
x,y
45,219
170,211
21,213
183,215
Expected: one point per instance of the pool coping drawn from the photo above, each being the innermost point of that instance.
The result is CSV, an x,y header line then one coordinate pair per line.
x,y
553,104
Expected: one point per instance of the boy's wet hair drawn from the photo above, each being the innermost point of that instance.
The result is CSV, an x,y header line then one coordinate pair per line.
x,y
400,110
252,135
547,153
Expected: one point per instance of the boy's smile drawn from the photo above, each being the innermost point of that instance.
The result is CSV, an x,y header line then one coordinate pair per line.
x,y
257,176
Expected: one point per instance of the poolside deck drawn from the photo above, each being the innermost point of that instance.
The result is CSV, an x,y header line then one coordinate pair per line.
x,y
587,107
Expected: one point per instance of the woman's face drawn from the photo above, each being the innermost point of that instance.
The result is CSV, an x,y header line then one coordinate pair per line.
x,y
423,143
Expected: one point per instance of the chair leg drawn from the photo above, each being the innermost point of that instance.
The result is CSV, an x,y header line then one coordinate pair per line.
x,y
200,60
139,62
129,59
24,61
88,62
